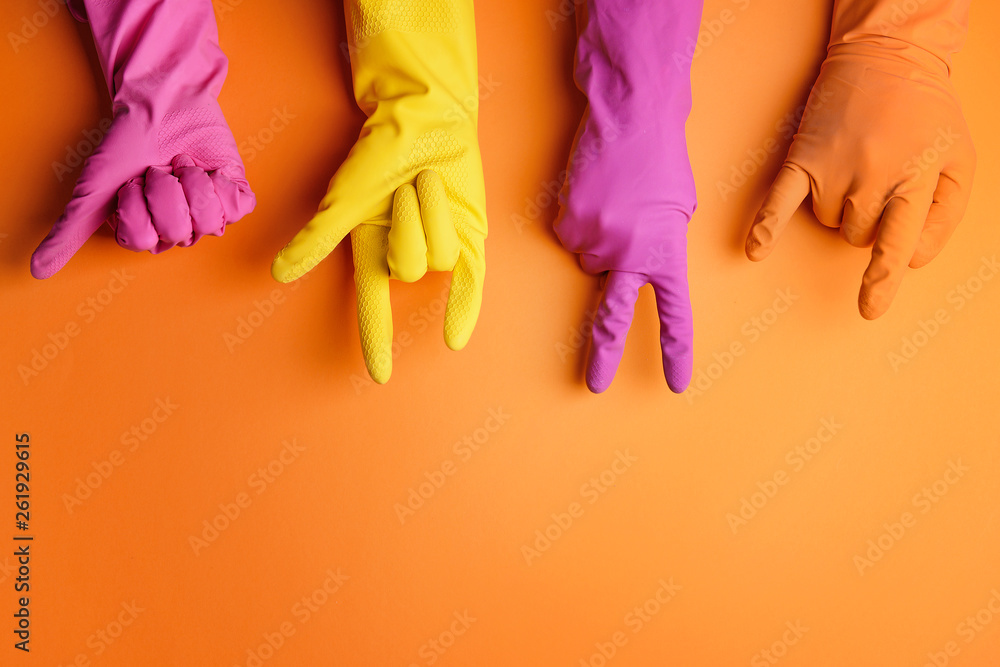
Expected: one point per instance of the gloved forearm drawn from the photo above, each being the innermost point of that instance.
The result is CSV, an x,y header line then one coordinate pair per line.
x,y
633,59
170,46
633,62
394,48
938,27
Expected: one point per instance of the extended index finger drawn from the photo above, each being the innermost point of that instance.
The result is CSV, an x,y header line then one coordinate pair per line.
x,y
790,188
371,278
610,328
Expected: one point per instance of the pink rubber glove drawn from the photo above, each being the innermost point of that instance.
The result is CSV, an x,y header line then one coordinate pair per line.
x,y
629,192
168,160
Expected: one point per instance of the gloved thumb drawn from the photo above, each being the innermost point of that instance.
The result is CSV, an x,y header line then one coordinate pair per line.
x,y
93,202
355,195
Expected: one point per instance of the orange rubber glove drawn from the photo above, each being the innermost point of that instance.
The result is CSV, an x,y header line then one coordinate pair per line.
x,y
883,146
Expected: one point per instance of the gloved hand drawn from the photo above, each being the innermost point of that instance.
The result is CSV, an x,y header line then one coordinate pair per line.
x,y
411,191
883,146
629,191
168,159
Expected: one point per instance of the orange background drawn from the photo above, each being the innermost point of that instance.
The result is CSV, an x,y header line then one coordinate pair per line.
x,y
299,378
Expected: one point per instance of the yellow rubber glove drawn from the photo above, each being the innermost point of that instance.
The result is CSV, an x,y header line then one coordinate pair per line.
x,y
411,191
883,146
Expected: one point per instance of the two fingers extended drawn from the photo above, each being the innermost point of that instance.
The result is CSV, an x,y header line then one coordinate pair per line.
x,y
614,318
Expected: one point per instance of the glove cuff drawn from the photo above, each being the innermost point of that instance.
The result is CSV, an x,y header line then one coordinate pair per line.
x,y
425,50
77,9
156,52
637,55
923,33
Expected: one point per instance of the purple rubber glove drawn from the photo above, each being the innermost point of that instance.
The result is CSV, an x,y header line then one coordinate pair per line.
x,y
629,191
168,161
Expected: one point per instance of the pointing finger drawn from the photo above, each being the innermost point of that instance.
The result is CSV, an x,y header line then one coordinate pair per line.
x,y
789,190
611,325
371,278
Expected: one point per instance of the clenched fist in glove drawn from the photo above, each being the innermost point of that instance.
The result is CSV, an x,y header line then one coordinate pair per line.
x,y
629,192
167,172
411,191
883,147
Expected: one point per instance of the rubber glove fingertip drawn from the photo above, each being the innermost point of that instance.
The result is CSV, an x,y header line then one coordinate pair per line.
x,y
678,374
870,306
49,258
380,374
41,268
757,246
281,270
457,342
599,377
